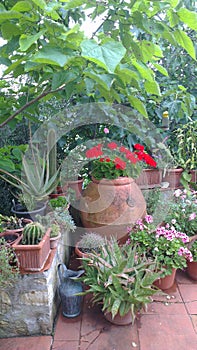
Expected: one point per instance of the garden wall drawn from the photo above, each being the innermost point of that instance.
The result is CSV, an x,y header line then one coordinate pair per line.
x,y
30,305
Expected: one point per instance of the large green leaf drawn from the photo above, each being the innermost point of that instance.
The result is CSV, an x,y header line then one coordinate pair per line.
x,y
137,104
9,29
27,40
188,17
161,69
144,71
104,80
51,55
60,78
152,87
107,55
184,40
40,3
22,6
5,15
72,3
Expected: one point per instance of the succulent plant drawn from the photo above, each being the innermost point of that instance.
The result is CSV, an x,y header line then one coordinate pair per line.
x,y
91,242
10,223
33,233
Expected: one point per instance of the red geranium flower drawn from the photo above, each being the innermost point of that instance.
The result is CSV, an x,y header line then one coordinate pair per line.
x,y
132,157
119,163
139,147
140,155
149,160
112,145
95,151
123,149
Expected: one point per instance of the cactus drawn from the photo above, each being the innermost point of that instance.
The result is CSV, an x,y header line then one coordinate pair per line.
x,y
90,242
33,233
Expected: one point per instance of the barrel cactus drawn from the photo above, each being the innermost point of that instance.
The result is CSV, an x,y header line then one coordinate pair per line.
x,y
33,233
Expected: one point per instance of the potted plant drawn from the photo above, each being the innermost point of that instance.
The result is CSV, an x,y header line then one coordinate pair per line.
x,y
8,264
58,219
11,227
183,215
163,243
120,280
182,143
89,242
37,180
34,247
112,197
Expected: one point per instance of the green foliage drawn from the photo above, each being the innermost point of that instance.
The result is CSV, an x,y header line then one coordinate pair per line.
x,y
119,279
58,202
33,233
119,63
11,158
10,223
36,181
193,249
8,265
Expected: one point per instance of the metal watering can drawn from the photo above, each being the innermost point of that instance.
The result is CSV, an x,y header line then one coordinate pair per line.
x,y
69,287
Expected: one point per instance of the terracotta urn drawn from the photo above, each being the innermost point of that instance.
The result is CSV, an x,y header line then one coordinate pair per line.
x,y
110,206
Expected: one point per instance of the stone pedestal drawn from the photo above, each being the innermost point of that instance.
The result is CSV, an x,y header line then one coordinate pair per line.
x,y
30,305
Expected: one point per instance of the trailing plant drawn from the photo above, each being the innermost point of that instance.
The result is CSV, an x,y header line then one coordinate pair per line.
x,y
119,279
33,233
8,265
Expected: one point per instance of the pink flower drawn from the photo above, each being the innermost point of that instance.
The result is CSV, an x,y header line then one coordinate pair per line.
x,y
192,216
106,130
186,253
140,223
177,193
149,219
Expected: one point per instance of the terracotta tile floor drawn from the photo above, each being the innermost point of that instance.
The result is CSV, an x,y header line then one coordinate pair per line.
x,y
169,324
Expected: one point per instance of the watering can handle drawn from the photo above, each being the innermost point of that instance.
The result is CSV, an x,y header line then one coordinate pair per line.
x,y
59,271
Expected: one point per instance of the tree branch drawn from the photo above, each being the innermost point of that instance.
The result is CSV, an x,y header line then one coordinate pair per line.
x,y
30,103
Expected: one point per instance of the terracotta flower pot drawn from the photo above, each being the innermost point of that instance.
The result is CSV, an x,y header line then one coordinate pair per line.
x,y
166,282
33,257
192,270
119,320
11,237
54,241
75,186
110,206
149,178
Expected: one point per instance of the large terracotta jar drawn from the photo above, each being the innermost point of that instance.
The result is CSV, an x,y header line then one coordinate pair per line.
x,y
110,206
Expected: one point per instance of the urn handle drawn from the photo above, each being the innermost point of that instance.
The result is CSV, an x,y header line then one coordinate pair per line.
x,y
131,202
